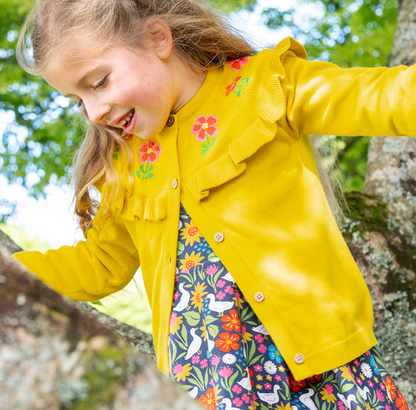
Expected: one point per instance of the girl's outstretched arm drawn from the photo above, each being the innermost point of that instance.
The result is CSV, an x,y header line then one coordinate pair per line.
x,y
90,270
323,98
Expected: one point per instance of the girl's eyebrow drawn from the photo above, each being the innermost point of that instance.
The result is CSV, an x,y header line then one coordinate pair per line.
x,y
83,78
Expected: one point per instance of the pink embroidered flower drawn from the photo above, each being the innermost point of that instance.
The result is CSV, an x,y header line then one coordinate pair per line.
x,y
262,349
173,318
220,283
149,151
245,397
278,378
387,407
237,402
205,125
370,383
176,295
340,405
220,295
380,395
259,338
195,359
211,270
225,372
382,386
203,363
211,382
367,353
215,360
356,362
177,278
237,389
268,386
359,381
237,64
229,289
177,369
258,368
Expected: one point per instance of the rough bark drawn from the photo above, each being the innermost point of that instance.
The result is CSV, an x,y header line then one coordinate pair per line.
x,y
55,355
382,232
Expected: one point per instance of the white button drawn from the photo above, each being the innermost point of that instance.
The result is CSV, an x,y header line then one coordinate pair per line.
x,y
259,297
175,183
219,237
299,358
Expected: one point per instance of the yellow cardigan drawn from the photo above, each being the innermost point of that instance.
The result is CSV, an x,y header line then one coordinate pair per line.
x,y
254,181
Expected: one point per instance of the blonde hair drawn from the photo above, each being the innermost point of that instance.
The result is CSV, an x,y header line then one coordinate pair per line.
x,y
201,37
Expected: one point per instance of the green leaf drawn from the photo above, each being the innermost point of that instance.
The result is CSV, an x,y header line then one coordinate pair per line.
x,y
184,334
213,140
151,167
204,151
138,173
142,168
96,302
204,145
115,156
263,407
239,92
212,256
181,248
149,176
192,318
210,319
213,330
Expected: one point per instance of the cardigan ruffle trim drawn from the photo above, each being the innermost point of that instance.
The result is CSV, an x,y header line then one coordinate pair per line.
x,y
262,130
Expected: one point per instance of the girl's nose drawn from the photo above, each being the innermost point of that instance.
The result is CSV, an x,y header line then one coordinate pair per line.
x,y
96,112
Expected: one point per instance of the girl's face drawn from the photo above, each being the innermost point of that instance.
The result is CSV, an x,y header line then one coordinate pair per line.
x,y
133,90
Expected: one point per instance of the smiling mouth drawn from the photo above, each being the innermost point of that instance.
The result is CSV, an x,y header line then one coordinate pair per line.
x,y
127,119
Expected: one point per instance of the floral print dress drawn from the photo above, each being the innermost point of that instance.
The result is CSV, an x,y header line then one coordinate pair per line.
x,y
223,356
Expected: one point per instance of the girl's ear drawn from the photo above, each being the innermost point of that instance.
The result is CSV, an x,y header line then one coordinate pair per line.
x,y
160,37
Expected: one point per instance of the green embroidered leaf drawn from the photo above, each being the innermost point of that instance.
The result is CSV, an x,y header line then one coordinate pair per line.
x,y
181,355
198,374
263,407
204,151
181,345
184,334
138,173
210,319
248,78
206,378
117,149
181,248
192,318
252,351
204,145
233,377
115,156
213,140
239,92
213,330
142,168
151,167
149,176
97,302
253,361
243,81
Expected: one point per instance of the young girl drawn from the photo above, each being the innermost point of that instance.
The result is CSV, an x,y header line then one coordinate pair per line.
x,y
208,180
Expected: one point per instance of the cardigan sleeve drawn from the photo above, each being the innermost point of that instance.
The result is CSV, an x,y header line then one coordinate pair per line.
x,y
322,98
92,269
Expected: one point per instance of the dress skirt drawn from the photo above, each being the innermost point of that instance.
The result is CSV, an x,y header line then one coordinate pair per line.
x,y
223,356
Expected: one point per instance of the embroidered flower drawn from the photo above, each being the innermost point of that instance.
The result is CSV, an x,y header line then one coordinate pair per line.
x,y
246,335
295,385
175,323
366,369
236,86
225,372
391,387
238,64
267,386
216,359
232,321
327,394
275,354
190,233
258,368
346,373
237,402
190,261
258,338
314,379
237,389
211,270
203,363
229,358
270,367
149,153
195,359
227,341
220,295
204,129
208,400
400,402
181,372
198,296
262,348
220,283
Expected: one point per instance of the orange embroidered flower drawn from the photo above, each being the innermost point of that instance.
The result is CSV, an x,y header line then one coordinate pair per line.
x,y
204,126
208,400
149,152
238,64
391,387
227,341
400,402
232,321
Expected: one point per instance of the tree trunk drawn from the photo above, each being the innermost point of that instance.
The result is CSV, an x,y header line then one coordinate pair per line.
x,y
382,232
57,354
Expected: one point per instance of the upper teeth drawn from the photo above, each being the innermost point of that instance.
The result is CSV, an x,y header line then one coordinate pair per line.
x,y
126,118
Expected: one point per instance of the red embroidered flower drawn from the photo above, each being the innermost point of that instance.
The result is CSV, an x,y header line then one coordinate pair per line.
x,y
237,64
149,152
231,87
232,321
205,125
315,378
400,402
227,341
295,385
391,387
208,400
128,137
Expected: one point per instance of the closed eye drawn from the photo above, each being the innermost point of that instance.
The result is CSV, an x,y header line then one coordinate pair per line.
x,y
100,84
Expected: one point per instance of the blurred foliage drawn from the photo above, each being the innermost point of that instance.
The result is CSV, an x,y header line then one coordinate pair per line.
x,y
27,242
42,130
129,305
